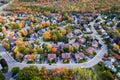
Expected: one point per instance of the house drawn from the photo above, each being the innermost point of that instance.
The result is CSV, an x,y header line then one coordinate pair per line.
x,y
75,45
51,56
77,26
112,59
90,50
79,56
77,31
95,44
108,64
81,41
70,35
66,55
117,56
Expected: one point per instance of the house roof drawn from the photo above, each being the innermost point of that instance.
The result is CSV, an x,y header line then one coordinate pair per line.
x,y
76,45
94,44
53,56
79,56
117,56
70,35
81,41
90,50
66,55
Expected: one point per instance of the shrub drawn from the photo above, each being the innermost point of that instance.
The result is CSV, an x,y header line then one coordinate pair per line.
x,y
99,32
28,73
5,69
15,70
66,61
2,77
31,62
0,29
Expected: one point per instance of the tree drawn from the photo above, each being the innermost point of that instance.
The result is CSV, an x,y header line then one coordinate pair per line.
x,y
6,45
54,49
48,47
118,25
40,51
46,35
0,28
2,77
116,47
36,78
84,74
15,70
66,49
71,48
28,73
23,32
54,37
107,75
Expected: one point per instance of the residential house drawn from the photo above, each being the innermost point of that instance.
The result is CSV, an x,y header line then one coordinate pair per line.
x,y
79,56
66,55
51,56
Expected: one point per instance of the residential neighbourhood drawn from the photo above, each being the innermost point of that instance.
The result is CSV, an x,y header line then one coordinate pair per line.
x,y
54,41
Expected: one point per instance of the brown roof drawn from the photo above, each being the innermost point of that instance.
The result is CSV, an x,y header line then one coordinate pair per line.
x,y
53,56
66,55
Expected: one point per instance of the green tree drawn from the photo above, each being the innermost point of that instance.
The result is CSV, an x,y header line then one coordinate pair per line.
x,y
107,75
84,74
36,78
15,70
2,77
28,73
66,49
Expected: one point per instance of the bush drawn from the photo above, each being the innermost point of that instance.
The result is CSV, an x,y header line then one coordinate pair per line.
x,y
0,29
1,36
15,70
30,62
28,73
2,77
107,75
66,61
5,69
118,25
99,32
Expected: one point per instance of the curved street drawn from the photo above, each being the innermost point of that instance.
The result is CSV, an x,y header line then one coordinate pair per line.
x,y
12,63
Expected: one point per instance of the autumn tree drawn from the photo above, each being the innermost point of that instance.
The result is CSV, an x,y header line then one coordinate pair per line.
x,y
46,35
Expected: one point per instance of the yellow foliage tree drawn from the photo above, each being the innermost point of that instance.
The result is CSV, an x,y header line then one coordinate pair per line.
x,y
49,47
116,47
16,50
19,41
47,23
71,48
46,35
63,31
